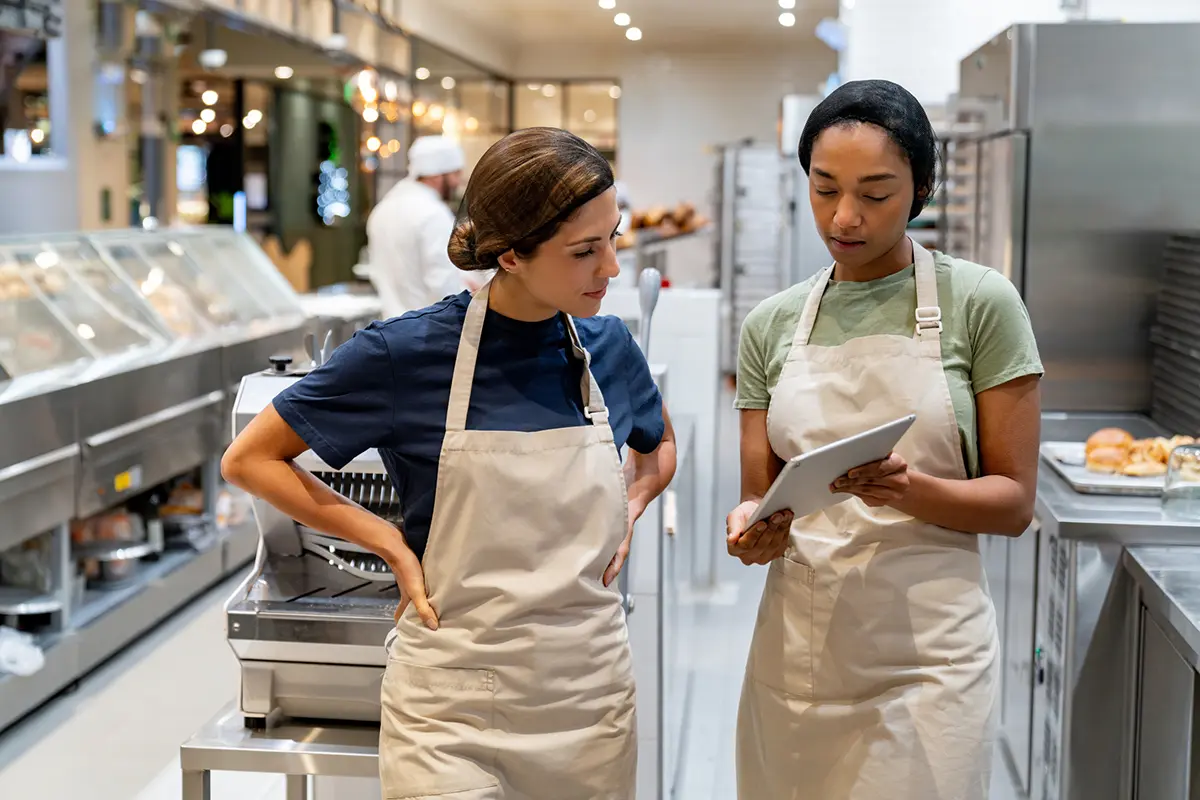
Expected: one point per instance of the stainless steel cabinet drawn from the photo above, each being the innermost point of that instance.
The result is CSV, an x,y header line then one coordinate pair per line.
x,y
1165,719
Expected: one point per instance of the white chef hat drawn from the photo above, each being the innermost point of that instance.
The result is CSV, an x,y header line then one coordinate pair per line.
x,y
622,195
434,155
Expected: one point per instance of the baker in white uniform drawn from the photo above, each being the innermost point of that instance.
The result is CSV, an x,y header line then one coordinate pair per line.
x,y
872,674
409,229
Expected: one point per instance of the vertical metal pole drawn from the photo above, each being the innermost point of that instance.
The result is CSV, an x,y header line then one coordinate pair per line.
x,y
148,54
197,785
297,787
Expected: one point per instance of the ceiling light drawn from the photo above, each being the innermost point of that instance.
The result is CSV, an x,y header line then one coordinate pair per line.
x,y
787,19
549,90
373,143
589,116
471,124
419,108
227,130
787,5
283,72
254,116
622,19
199,126
422,74
394,145
614,92
533,87
37,135
208,115
391,91
209,97
448,83
608,5
436,112
633,34
370,114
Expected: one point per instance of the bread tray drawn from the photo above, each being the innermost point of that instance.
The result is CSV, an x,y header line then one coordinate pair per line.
x,y
1067,459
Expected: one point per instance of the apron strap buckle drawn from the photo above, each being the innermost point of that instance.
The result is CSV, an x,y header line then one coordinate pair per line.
x,y
599,416
929,318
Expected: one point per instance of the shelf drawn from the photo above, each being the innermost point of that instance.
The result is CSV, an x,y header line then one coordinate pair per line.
x,y
114,551
18,602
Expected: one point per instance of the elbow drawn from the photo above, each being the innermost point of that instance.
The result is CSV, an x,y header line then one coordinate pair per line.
x,y
1021,521
233,468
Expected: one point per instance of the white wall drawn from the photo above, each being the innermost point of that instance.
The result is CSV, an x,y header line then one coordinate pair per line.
x,y
1144,10
919,43
676,105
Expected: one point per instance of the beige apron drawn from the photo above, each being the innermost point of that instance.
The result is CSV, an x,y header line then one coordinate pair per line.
x,y
872,675
526,690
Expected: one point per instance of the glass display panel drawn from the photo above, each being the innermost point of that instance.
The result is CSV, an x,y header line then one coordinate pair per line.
x,y
236,258
32,338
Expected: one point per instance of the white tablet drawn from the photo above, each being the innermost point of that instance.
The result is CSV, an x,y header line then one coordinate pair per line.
x,y
803,484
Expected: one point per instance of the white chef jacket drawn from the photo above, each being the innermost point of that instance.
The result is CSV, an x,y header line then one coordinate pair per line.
x,y
407,234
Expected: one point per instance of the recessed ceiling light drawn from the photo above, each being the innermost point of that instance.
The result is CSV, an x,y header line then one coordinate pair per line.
x,y
208,115
549,90
614,92
787,5
608,5
622,19
373,143
199,127
283,72
209,98
422,74
589,116
227,130
787,19
448,83
633,34
370,114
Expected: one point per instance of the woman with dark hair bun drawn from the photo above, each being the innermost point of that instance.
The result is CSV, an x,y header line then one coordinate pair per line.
x,y
501,418
872,675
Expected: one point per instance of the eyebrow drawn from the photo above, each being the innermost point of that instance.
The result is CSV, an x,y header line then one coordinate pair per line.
x,y
876,178
593,239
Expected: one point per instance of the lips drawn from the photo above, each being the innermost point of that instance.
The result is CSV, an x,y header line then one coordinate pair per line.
x,y
845,244
598,294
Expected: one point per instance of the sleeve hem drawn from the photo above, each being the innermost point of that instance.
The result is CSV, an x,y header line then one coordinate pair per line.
x,y
311,436
1022,371
751,405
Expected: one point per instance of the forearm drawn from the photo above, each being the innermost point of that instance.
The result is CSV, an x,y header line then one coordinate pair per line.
x,y
648,475
297,493
993,504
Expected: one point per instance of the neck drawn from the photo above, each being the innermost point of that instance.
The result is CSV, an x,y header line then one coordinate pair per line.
x,y
891,262
509,297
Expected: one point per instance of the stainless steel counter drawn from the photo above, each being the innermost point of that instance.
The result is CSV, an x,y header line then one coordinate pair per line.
x,y
283,748
1169,580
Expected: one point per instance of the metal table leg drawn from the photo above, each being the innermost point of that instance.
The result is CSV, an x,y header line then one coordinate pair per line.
x,y
197,785
297,787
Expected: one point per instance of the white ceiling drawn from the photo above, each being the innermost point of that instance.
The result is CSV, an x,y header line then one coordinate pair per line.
x,y
715,23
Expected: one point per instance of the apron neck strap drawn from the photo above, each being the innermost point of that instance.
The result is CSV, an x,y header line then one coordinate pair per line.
x,y
929,313
468,355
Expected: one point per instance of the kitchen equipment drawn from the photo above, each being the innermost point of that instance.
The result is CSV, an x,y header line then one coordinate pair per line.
x,y
649,287
1181,493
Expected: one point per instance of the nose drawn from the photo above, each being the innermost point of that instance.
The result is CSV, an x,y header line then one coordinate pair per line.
x,y
848,214
609,266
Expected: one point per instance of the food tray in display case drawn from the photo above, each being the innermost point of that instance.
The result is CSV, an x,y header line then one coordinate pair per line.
x,y
1067,459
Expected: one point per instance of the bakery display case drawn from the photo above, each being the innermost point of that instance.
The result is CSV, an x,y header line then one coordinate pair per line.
x,y
117,354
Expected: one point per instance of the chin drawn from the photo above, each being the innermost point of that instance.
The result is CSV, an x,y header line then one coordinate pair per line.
x,y
583,308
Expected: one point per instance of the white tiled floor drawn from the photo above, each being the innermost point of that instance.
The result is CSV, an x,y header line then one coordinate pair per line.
x,y
117,737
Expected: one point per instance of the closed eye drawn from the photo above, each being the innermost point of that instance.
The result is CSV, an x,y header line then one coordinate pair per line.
x,y
876,199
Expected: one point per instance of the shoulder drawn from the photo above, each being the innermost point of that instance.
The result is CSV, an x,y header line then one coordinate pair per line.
x,y
603,333
425,328
974,285
779,312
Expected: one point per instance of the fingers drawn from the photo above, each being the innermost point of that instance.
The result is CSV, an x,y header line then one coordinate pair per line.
x,y
403,604
891,465
765,541
615,566
411,578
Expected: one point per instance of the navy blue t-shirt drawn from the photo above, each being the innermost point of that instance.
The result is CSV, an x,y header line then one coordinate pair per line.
x,y
389,386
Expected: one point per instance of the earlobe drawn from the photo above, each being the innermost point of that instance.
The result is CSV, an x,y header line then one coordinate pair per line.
x,y
508,261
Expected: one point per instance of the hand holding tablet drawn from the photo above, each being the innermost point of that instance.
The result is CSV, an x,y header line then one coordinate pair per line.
x,y
805,483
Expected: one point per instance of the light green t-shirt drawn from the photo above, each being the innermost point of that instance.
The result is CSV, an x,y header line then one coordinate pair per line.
x,y
987,339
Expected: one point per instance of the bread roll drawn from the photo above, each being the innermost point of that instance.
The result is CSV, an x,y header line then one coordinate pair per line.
x,y
1144,469
1107,459
1109,437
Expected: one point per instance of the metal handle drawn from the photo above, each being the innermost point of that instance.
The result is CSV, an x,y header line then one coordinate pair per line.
x,y
157,418
37,462
649,287
670,512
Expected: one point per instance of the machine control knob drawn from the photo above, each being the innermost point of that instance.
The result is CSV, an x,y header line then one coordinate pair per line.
x,y
280,363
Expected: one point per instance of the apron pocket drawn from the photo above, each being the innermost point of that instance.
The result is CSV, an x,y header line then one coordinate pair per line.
x,y
781,657
435,734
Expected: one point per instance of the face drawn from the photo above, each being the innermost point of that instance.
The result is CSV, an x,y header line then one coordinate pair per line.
x,y
570,271
448,185
861,188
